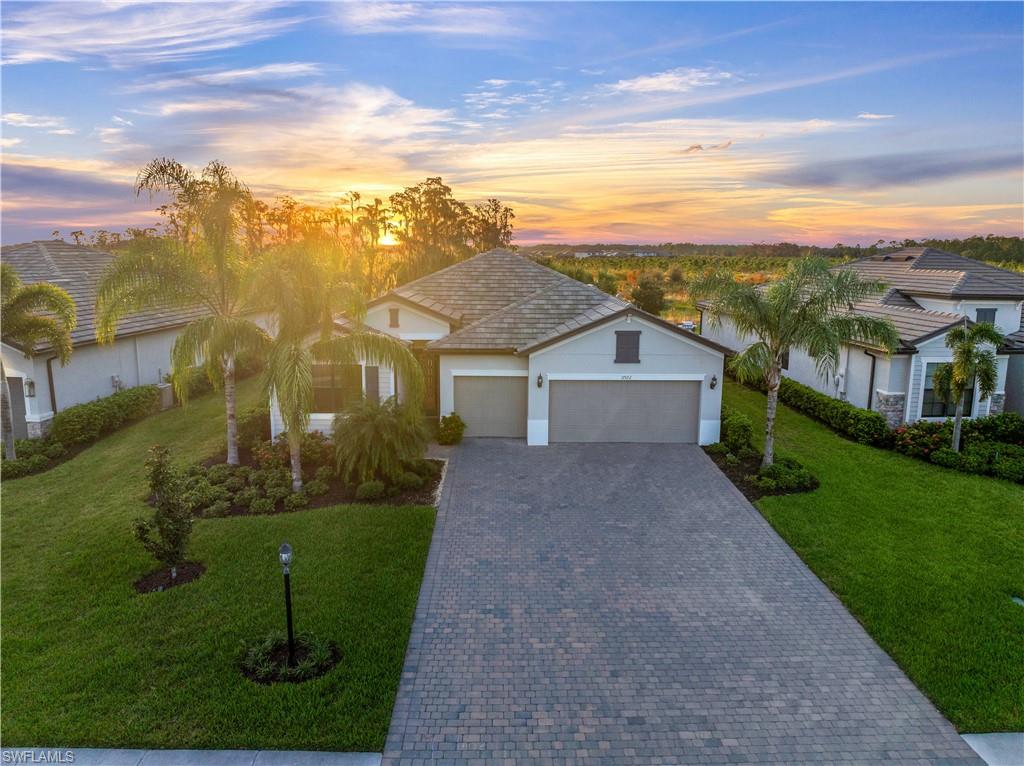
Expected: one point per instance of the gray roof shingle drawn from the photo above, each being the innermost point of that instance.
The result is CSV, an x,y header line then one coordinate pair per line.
x,y
479,286
561,307
78,269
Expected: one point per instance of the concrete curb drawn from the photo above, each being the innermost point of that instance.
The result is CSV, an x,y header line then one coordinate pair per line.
x,y
1000,749
87,756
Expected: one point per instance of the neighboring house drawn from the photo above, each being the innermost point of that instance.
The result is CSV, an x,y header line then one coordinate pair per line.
x,y
927,292
140,353
520,350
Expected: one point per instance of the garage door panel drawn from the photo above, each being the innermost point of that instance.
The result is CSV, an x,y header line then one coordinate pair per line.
x,y
624,411
492,405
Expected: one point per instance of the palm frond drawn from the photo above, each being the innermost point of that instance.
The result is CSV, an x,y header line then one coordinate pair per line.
x,y
375,349
753,363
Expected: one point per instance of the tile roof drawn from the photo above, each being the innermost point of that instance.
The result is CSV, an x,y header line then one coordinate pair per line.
x,y
479,286
562,307
913,324
77,269
927,271
1014,341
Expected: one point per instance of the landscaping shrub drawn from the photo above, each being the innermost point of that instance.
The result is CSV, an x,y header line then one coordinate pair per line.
x,y
370,490
316,488
428,469
261,505
718,448
450,429
296,501
921,439
409,481
254,426
947,457
86,422
165,536
14,469
1007,427
324,473
374,440
737,432
220,508
864,426
785,475
265,661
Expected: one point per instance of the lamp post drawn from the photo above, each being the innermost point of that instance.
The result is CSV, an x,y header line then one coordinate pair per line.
x,y
285,554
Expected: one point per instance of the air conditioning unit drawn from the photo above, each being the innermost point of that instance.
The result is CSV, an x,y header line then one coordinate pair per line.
x,y
166,395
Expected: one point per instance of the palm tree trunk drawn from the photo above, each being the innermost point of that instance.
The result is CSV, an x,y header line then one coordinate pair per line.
x,y
956,422
769,419
295,451
6,416
230,406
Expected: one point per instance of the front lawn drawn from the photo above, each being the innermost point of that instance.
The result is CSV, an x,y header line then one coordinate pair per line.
x,y
926,558
87,661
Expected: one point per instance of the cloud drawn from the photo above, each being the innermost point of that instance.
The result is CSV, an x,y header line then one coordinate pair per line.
x,y
694,148
127,33
500,99
455,20
873,116
7,143
227,77
62,132
678,80
19,120
907,168
204,105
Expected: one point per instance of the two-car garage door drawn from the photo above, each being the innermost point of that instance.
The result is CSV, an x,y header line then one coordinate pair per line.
x,y
583,410
665,411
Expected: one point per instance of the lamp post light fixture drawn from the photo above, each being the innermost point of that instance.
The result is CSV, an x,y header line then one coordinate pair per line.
x,y
285,555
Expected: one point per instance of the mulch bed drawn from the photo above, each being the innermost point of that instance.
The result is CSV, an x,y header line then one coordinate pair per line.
x,y
160,580
740,472
279,660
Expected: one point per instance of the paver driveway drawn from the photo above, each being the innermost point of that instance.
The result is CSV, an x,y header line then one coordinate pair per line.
x,y
626,604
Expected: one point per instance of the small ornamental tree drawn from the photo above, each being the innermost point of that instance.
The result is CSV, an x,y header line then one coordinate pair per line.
x,y
974,359
166,535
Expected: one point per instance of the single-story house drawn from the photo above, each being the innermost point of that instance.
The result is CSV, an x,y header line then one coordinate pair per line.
x,y
140,353
927,291
519,350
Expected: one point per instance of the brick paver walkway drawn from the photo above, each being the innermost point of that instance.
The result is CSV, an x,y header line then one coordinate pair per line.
x,y
625,604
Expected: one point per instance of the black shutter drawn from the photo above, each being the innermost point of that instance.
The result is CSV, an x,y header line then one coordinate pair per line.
x,y
371,388
392,317
627,346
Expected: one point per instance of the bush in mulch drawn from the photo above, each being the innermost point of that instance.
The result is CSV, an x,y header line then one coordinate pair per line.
x,y
169,577
266,661
262,484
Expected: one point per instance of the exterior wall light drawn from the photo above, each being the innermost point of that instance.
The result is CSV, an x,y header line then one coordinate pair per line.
x,y
714,382
30,388
540,380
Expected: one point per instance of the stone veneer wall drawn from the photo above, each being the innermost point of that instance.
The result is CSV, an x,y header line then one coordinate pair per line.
x,y
892,406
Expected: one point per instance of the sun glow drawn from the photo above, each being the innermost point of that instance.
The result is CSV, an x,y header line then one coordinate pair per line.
x,y
388,240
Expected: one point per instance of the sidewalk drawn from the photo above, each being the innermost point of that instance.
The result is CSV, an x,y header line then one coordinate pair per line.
x,y
84,756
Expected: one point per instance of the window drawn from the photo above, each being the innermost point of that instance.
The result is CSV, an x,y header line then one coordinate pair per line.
x,y
392,317
932,405
335,386
785,360
985,315
371,387
627,347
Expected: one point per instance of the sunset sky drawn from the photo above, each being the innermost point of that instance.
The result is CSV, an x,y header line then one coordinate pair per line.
x,y
597,122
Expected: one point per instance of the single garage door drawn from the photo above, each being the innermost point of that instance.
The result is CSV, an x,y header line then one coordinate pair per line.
x,y
624,411
492,406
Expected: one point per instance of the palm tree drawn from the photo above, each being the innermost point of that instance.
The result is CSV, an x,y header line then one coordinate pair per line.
x,y
808,309
203,265
972,361
304,301
29,314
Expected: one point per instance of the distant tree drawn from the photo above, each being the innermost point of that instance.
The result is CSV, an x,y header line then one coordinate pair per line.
x,y
434,228
607,282
30,314
974,360
808,309
492,225
648,294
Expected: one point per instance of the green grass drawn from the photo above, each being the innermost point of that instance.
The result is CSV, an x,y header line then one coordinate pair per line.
x,y
926,558
89,662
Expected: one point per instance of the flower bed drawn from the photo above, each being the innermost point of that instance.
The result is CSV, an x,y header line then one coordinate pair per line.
x,y
263,483
990,446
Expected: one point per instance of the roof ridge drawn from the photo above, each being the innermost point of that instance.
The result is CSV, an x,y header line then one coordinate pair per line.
x,y
510,306
48,258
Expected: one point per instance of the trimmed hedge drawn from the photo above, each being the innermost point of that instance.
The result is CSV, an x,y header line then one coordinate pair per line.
x,y
87,422
981,451
864,426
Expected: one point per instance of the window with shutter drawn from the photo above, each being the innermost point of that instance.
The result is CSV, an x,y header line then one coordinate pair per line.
x,y
627,346
985,315
392,317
